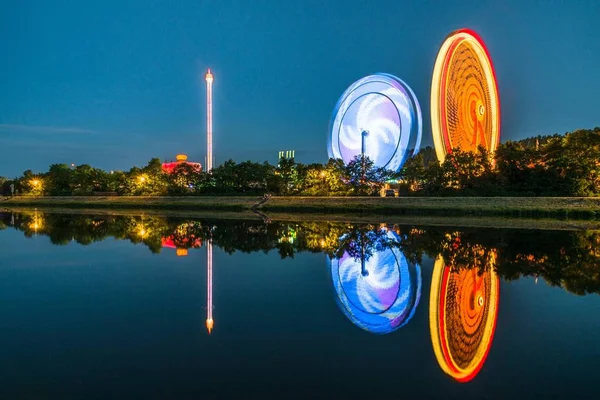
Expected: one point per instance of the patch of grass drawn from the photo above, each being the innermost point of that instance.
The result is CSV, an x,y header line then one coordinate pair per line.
x,y
513,207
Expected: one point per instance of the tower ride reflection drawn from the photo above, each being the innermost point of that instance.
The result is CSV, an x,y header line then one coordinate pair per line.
x,y
209,300
463,310
376,288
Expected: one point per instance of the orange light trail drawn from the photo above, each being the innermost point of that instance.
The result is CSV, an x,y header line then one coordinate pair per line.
x,y
465,105
463,310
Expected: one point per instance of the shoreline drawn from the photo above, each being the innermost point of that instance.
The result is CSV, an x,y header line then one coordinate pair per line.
x,y
556,208
440,221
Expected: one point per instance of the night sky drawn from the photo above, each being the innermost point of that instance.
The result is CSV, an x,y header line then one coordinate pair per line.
x,y
115,83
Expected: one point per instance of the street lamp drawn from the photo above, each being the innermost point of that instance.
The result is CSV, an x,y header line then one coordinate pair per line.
x,y
36,183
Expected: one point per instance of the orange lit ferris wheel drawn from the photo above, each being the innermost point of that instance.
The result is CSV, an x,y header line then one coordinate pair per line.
x,y
465,105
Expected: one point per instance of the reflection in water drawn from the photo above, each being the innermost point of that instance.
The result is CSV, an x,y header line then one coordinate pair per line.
x,y
566,259
377,289
209,302
463,309
375,268
375,275
182,238
36,222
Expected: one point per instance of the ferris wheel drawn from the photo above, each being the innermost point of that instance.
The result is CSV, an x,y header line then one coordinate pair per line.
x,y
465,105
378,116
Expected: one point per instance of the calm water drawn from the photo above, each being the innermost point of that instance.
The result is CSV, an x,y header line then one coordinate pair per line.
x,y
161,307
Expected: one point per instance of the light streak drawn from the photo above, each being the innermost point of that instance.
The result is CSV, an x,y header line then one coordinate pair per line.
x,y
465,104
463,309
379,294
209,128
209,280
386,108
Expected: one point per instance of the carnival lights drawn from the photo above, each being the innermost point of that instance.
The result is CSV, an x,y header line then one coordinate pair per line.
x,y
209,128
210,323
379,294
463,309
379,117
465,105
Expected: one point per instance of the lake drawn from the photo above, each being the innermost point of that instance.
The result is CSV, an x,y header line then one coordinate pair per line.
x,y
154,306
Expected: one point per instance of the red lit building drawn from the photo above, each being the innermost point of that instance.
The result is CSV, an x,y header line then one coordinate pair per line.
x,y
168,167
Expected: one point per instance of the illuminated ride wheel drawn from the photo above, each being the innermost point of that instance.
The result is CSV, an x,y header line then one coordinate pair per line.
x,y
381,295
463,310
378,116
465,105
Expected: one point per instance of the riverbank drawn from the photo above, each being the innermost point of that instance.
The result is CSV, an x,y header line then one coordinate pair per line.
x,y
417,220
514,207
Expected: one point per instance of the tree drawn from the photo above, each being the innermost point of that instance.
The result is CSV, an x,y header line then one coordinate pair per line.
x,y
30,183
184,179
413,173
86,180
336,177
574,159
519,169
155,182
364,178
252,177
463,171
58,180
116,181
225,177
287,170
147,181
312,180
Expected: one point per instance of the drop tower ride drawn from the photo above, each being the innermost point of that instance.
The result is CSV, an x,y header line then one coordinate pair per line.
x,y
209,154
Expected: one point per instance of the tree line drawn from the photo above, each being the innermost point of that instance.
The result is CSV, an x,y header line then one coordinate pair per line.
x,y
359,177
557,165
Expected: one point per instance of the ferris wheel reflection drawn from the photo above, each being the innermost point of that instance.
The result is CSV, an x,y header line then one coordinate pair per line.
x,y
186,237
376,288
463,310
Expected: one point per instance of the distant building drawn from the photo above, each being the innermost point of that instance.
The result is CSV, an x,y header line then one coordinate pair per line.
x,y
168,167
287,154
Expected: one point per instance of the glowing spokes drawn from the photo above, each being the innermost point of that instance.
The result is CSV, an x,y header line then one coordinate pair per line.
x,y
385,107
462,318
465,110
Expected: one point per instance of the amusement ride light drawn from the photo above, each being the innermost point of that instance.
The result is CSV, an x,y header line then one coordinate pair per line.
x,y
465,105
377,116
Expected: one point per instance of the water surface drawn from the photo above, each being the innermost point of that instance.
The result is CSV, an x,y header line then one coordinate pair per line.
x,y
108,306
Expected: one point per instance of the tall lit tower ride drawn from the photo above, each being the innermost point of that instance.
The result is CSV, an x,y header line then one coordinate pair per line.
x,y
209,303
209,155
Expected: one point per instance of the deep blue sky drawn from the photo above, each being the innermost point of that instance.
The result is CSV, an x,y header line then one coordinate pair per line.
x,y
114,83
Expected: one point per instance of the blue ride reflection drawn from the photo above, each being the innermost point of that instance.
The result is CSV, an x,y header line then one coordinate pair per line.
x,y
376,288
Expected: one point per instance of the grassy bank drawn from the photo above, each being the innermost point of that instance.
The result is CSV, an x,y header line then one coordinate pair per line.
x,y
420,220
514,207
